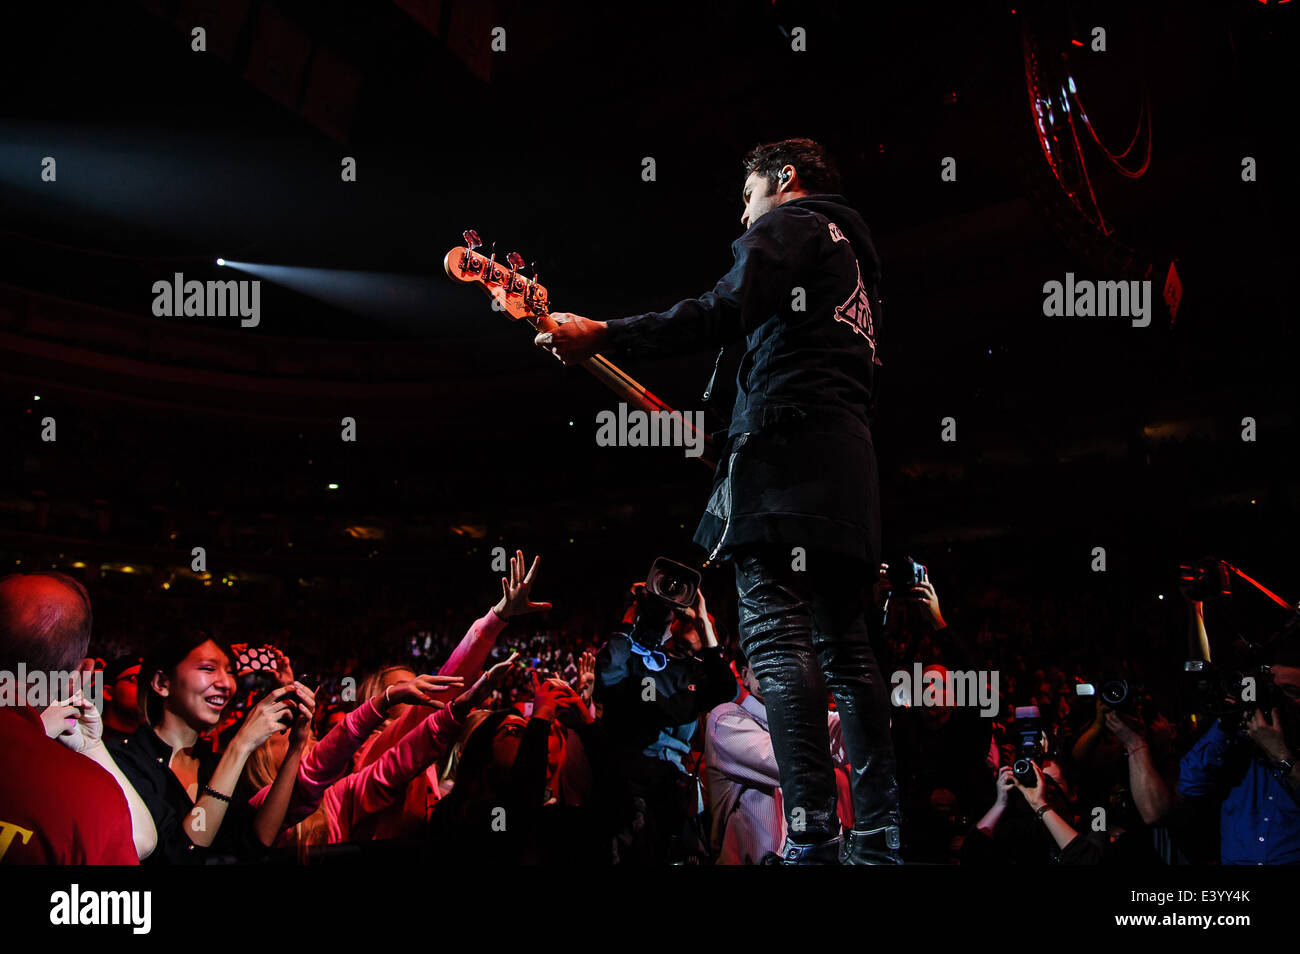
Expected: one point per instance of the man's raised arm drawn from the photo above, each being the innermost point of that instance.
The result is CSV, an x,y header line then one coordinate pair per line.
x,y
770,258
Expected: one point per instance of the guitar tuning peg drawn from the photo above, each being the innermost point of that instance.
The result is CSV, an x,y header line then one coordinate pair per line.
x,y
472,241
516,260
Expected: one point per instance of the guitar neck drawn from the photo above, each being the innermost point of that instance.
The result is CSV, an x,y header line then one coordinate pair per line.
x,y
630,389
624,385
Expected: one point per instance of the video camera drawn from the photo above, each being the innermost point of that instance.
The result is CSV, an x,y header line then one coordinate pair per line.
x,y
1232,693
1117,693
905,574
670,588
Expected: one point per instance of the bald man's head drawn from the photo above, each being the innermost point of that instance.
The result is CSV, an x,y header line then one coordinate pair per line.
x,y
44,622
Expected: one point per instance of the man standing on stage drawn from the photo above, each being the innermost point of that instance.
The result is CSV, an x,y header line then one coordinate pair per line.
x,y
795,504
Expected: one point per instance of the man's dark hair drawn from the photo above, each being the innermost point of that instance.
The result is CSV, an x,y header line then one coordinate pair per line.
x,y
817,174
49,635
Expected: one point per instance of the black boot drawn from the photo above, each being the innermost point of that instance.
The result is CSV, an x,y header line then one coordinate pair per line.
x,y
876,847
826,852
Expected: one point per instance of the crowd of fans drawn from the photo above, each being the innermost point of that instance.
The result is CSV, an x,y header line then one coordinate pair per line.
x,y
512,741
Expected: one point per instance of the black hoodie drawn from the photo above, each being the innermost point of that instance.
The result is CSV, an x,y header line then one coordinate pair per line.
x,y
798,468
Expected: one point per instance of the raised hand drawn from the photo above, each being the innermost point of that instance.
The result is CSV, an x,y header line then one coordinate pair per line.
x,y
75,722
1005,782
265,719
301,734
586,675
570,708
483,687
516,589
547,696
1267,735
1036,796
924,593
419,691
1123,731
283,671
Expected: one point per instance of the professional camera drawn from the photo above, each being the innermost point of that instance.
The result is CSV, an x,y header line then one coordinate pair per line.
x,y
1116,692
1231,694
1028,729
670,588
905,574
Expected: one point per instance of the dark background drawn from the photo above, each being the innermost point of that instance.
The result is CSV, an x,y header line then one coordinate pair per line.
x,y
182,432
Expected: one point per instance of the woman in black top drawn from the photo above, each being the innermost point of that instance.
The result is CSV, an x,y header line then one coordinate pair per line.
x,y
185,684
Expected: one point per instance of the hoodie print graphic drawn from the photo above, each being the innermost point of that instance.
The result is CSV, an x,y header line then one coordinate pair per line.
x,y
856,310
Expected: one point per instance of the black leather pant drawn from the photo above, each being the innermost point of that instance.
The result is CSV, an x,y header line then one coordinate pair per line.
x,y
805,632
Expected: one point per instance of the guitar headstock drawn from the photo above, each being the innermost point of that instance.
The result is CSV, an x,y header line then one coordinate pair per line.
x,y
517,296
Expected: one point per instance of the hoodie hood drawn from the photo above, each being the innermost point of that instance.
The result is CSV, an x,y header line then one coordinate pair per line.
x,y
837,209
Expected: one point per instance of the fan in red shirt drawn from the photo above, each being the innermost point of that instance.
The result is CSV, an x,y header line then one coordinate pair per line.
x,y
56,807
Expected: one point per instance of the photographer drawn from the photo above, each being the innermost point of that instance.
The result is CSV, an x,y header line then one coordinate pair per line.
x,y
1248,765
1133,766
1040,827
654,689
944,753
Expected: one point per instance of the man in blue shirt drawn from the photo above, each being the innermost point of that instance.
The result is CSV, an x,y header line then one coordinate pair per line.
x,y
1253,772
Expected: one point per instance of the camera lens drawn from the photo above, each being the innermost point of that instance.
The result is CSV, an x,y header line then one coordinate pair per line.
x,y
1114,692
1023,770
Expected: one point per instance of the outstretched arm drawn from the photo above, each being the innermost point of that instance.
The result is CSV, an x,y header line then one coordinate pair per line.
x,y
1155,802
770,257
270,814
471,655
382,783
86,737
